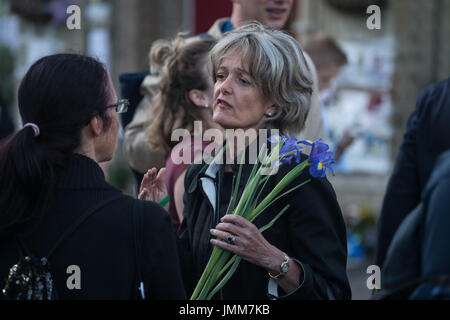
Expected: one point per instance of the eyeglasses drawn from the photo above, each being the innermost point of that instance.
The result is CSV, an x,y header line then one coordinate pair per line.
x,y
121,106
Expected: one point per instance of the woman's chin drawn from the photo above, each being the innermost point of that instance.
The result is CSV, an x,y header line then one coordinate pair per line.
x,y
105,158
221,120
227,125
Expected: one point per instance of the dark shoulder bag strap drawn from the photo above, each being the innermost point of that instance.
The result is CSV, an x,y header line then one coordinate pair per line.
x,y
138,226
74,226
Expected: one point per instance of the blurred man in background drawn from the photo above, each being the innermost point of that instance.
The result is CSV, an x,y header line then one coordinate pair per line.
x,y
426,137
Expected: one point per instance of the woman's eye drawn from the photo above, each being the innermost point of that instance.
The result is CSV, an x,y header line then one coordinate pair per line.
x,y
220,76
244,81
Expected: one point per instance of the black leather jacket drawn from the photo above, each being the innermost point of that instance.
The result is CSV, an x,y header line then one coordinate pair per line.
x,y
312,231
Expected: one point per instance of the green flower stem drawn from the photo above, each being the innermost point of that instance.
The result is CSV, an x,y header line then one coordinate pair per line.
x,y
222,261
209,282
248,197
275,154
212,260
255,213
228,265
225,279
236,189
250,188
265,180
280,186
249,202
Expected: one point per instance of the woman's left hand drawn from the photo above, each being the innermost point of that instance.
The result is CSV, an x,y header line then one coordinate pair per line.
x,y
244,239
247,242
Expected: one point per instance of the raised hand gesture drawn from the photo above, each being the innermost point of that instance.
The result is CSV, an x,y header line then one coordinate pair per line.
x,y
153,186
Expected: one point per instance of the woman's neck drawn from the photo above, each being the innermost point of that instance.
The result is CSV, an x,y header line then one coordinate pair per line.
x,y
239,145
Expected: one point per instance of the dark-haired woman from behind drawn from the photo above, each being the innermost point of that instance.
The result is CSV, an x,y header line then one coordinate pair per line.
x,y
66,231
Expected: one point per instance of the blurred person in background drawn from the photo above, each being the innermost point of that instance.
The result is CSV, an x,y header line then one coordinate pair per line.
x,y
329,59
56,205
274,13
327,56
185,95
417,263
427,136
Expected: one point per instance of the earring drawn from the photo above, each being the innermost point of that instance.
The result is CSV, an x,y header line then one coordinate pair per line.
x,y
270,114
206,105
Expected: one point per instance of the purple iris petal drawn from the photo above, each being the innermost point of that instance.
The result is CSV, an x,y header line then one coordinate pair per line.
x,y
291,147
298,156
288,145
287,159
318,152
320,159
316,172
309,142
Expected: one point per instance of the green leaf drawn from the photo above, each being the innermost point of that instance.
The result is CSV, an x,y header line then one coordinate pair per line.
x,y
257,212
235,191
288,178
225,278
247,196
265,179
230,262
205,275
209,282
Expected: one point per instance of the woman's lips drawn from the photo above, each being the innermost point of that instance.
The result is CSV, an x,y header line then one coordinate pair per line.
x,y
223,104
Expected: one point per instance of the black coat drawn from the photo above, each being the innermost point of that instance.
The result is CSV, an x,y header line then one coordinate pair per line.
x,y
426,137
103,246
311,231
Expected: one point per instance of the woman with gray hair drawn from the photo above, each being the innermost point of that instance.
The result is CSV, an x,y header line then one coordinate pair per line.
x,y
262,81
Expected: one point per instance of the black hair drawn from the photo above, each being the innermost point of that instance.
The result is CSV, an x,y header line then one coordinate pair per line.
x,y
59,93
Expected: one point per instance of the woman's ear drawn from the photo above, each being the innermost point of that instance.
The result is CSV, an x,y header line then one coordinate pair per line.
x,y
198,98
96,126
272,110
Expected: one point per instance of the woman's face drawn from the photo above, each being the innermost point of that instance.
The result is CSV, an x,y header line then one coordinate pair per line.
x,y
238,102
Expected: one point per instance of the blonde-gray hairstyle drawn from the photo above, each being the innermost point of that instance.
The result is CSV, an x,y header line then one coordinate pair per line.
x,y
276,63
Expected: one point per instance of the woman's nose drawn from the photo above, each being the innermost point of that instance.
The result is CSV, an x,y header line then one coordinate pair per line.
x,y
225,86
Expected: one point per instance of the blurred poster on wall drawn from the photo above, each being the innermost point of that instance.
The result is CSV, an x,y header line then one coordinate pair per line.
x,y
358,107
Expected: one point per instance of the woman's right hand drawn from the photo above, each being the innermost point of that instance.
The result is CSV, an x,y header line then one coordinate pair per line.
x,y
153,186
